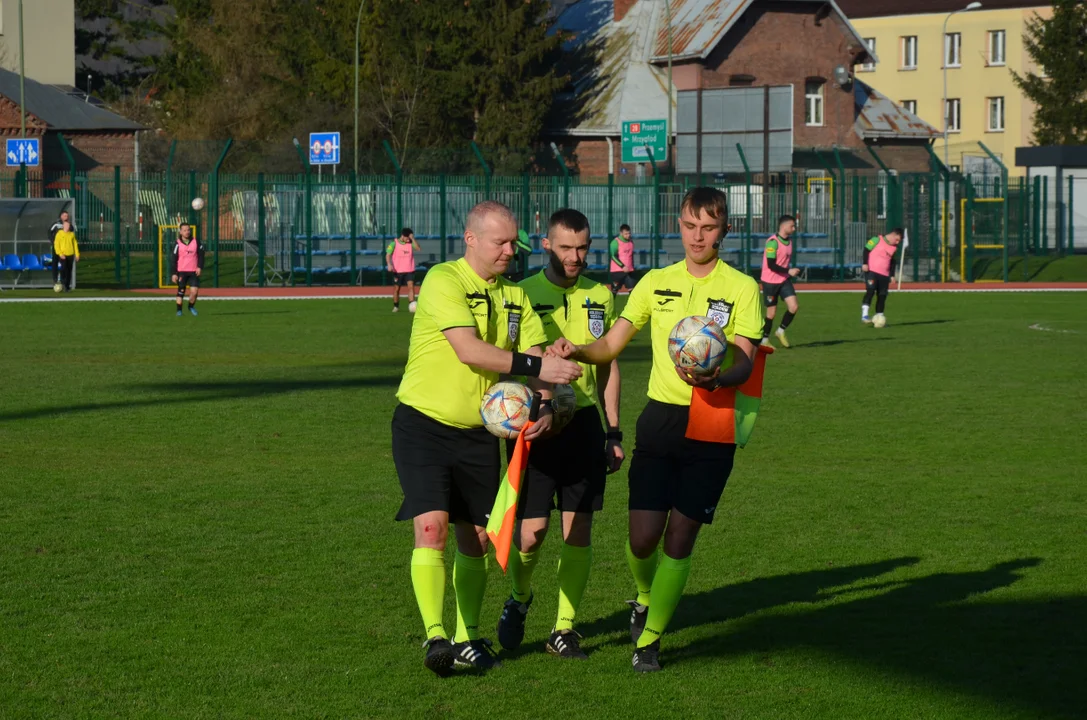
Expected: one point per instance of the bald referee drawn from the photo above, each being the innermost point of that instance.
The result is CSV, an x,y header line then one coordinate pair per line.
x,y
471,325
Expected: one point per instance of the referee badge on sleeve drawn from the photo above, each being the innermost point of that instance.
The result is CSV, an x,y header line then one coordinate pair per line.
x,y
596,322
514,327
719,311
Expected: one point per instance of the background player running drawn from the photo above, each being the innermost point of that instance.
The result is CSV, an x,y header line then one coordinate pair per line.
x,y
186,264
621,255
777,279
879,267
401,258
567,470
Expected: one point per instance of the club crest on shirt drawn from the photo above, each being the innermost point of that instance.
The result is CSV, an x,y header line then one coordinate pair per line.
x,y
719,311
596,322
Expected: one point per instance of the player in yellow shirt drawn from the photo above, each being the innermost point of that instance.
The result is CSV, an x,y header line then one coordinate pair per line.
x,y
66,249
566,471
471,325
675,481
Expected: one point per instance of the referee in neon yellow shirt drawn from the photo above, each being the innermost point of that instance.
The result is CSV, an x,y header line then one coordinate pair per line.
x,y
471,325
675,481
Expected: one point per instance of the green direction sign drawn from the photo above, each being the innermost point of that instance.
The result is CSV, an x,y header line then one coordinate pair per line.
x,y
637,134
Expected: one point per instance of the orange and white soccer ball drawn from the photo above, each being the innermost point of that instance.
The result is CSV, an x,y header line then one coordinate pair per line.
x,y
697,345
505,408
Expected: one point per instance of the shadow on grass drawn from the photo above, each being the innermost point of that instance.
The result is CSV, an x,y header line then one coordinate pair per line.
x,y
832,343
939,629
920,322
196,392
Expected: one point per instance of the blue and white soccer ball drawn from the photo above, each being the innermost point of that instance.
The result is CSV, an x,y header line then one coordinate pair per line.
x,y
505,408
697,345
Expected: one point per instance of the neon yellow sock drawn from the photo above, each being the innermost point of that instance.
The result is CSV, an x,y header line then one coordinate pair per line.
x,y
520,570
428,580
643,570
469,582
574,565
667,590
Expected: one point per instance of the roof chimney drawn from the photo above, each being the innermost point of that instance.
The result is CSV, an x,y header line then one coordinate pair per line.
x,y
622,7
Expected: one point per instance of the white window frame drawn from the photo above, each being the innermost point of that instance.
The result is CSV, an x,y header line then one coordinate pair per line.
x,y
953,112
998,103
1003,45
814,104
953,50
906,42
869,43
910,105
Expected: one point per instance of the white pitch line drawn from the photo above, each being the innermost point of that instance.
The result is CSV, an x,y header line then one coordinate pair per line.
x,y
1043,328
206,298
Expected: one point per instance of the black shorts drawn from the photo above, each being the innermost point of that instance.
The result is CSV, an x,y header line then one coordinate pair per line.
x,y
880,283
570,466
624,279
403,279
444,468
187,279
772,291
669,470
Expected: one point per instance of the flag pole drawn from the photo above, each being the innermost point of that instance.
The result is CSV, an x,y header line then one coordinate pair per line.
x,y
902,260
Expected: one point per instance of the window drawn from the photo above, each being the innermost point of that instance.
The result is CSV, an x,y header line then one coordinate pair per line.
x,y
997,46
813,103
996,114
953,50
869,43
909,106
909,52
952,114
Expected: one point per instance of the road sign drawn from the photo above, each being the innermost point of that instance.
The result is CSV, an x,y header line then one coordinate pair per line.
x,y
324,148
637,134
24,152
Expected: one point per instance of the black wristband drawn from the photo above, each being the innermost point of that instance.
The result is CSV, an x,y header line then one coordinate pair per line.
x,y
547,404
615,435
527,365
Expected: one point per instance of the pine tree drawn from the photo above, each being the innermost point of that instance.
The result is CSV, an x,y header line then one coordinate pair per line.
x,y
1058,46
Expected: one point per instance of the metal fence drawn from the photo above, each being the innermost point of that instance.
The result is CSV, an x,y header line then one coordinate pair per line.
x,y
303,229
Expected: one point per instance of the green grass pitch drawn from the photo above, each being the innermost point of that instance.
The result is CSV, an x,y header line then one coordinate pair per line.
x,y
196,521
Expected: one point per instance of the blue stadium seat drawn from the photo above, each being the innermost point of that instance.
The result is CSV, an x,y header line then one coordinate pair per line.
x,y
47,260
31,262
12,263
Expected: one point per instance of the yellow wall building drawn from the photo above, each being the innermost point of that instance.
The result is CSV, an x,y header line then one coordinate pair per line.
x,y
981,49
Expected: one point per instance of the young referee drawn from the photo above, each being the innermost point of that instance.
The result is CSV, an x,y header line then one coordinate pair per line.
x,y
566,471
675,481
471,325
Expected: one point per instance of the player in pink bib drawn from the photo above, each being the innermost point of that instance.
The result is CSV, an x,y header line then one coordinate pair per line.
x,y
621,255
186,264
400,257
777,279
878,267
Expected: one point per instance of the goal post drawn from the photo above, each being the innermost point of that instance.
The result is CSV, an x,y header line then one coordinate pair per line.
x,y
981,228
167,238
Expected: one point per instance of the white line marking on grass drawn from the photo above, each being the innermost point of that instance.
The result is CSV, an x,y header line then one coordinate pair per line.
x,y
1043,328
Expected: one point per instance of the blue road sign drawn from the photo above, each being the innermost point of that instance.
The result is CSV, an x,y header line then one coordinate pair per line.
x,y
24,152
324,148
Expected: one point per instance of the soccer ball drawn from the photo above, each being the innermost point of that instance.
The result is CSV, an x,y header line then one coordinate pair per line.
x,y
411,306
505,408
198,204
57,287
563,406
879,320
698,345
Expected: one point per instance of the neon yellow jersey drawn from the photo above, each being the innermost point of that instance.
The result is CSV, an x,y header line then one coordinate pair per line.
x,y
436,382
580,313
670,294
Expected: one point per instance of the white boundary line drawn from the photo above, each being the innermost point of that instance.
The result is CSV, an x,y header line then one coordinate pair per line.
x,y
206,298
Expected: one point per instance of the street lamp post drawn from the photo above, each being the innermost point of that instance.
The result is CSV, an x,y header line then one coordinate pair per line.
x,y
22,76
947,114
358,26
670,130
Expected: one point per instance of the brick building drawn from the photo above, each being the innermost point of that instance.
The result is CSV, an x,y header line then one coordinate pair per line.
x,y
805,50
97,137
